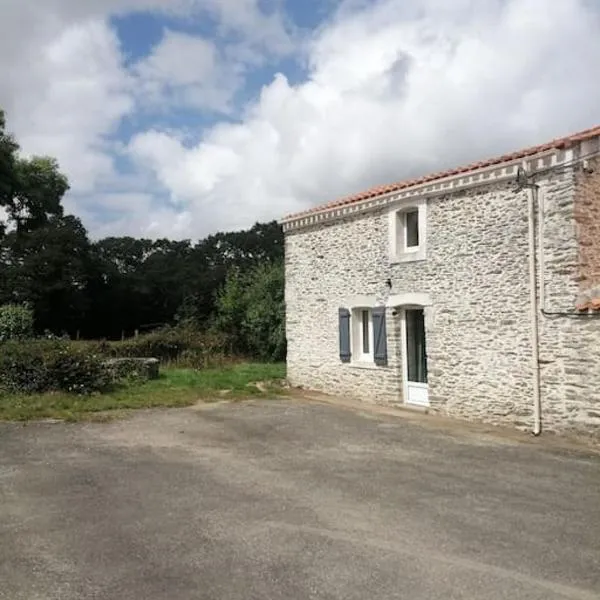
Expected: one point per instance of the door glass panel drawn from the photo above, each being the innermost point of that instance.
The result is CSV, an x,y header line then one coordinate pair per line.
x,y
416,353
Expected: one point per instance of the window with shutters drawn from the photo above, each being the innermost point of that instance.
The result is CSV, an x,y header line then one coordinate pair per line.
x,y
408,226
362,335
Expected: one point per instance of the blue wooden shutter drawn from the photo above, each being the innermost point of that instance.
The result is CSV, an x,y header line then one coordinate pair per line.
x,y
344,327
379,336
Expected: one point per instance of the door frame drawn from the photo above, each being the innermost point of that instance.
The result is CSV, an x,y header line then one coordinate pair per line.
x,y
405,383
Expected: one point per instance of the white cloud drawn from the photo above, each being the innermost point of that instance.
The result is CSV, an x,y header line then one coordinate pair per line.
x,y
393,90
65,89
187,70
73,94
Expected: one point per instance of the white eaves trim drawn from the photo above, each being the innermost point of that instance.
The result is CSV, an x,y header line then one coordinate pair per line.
x,y
498,173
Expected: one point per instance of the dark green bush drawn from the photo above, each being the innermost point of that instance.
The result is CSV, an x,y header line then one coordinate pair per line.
x,y
50,366
184,346
166,346
22,368
72,370
132,369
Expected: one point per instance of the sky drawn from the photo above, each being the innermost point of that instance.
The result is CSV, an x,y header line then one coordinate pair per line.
x,y
181,118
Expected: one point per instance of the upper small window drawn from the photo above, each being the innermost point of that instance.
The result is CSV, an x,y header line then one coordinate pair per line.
x,y
411,229
408,232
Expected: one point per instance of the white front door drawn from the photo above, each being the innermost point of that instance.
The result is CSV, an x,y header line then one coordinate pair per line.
x,y
414,357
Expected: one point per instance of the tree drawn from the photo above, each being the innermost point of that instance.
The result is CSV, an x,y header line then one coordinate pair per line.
x,y
8,175
123,283
39,192
251,311
231,308
48,267
31,189
264,320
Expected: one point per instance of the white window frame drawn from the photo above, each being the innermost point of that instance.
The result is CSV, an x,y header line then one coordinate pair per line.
x,y
357,336
399,251
404,215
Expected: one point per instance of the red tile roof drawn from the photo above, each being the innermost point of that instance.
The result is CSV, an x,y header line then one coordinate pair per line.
x,y
591,306
559,143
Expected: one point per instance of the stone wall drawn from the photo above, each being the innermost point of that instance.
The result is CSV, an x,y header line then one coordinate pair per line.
x,y
324,266
587,219
569,345
478,326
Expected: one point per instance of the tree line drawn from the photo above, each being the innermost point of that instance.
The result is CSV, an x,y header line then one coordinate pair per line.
x,y
119,285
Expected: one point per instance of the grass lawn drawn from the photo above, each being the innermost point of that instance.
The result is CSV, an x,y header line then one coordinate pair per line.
x,y
175,387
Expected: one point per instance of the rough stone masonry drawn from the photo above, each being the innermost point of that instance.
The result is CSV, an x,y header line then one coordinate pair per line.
x,y
478,324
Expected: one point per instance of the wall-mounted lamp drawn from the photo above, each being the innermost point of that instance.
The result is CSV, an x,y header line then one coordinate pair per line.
x,y
389,283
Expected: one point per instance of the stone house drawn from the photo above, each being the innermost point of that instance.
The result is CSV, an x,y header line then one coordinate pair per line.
x,y
472,292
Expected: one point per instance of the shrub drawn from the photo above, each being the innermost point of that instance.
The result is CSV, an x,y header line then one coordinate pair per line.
x,y
165,345
16,322
72,370
250,308
132,369
48,366
186,346
22,368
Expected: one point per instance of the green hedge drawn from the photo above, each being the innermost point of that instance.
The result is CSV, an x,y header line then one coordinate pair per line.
x,y
50,366
133,369
185,346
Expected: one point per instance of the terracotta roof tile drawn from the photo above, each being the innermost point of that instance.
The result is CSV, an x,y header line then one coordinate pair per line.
x,y
590,306
559,143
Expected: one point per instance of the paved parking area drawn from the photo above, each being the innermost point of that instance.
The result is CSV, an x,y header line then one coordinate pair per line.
x,y
291,500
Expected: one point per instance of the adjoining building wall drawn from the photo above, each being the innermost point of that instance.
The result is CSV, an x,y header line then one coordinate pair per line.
x,y
478,320
570,274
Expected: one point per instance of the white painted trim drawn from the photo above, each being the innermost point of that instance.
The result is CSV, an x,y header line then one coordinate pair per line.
x,y
498,173
361,364
398,252
356,338
405,382
359,301
403,356
409,299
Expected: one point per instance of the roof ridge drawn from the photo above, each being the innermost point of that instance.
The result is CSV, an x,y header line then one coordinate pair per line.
x,y
392,187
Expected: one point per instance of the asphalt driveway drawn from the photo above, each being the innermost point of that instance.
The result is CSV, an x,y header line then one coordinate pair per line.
x,y
291,500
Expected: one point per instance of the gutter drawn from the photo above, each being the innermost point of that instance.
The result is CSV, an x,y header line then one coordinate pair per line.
x,y
532,201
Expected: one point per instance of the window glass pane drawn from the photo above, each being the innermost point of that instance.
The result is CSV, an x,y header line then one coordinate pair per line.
x,y
416,353
411,229
365,331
